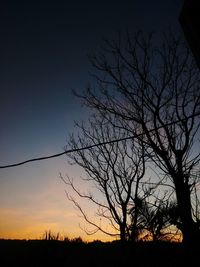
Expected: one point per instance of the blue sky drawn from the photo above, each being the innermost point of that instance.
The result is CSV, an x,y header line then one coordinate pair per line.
x,y
43,51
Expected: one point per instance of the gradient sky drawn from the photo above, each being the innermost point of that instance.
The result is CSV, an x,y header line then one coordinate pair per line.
x,y
43,56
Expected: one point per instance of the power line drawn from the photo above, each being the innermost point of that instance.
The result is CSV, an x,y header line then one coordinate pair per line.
x,y
91,146
68,151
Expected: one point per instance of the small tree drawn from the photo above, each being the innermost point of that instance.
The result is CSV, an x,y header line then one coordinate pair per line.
x,y
116,169
156,219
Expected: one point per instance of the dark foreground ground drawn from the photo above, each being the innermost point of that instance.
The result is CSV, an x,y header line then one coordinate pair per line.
x,y
39,253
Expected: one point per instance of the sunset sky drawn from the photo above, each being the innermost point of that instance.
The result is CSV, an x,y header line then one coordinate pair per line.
x,y
43,56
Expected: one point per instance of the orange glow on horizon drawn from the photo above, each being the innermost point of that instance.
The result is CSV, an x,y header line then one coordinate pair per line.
x,y
15,225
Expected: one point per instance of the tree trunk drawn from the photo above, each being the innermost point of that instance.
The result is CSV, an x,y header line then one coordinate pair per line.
x,y
123,233
189,228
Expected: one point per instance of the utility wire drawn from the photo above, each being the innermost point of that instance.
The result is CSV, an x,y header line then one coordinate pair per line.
x,y
94,145
68,151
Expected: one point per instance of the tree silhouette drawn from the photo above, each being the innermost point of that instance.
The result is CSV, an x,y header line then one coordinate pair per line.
x,y
116,169
145,84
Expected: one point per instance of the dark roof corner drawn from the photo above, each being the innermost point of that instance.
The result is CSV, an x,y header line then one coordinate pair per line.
x,y
190,22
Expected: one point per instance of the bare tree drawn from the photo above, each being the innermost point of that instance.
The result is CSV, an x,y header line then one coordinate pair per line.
x,y
151,89
116,169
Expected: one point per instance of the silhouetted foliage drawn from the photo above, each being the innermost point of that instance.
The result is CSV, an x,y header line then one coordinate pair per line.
x,y
156,220
48,235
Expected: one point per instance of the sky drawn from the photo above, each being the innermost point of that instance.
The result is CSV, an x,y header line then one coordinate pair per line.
x,y
44,51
